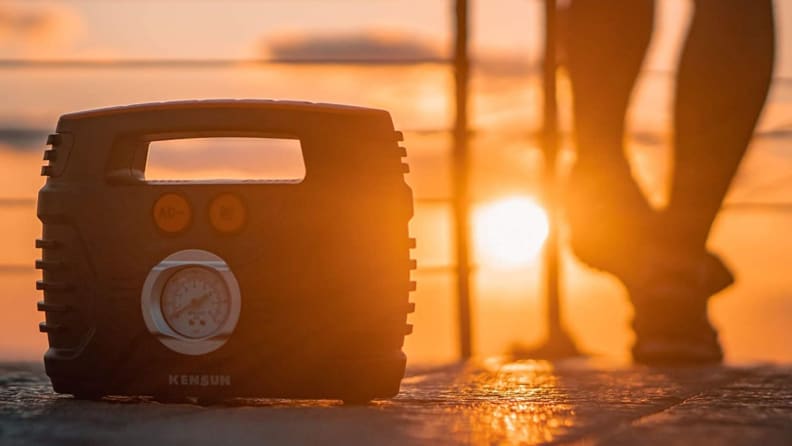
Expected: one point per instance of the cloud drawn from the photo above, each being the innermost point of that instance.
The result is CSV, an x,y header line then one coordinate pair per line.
x,y
387,46
391,46
20,139
33,27
28,23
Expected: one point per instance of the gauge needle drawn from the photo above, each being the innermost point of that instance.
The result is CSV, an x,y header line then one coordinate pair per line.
x,y
195,302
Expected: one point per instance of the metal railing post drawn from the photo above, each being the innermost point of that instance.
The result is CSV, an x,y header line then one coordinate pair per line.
x,y
558,343
461,163
550,145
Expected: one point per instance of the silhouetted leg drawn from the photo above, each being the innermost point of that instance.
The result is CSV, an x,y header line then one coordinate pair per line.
x,y
722,85
723,79
605,45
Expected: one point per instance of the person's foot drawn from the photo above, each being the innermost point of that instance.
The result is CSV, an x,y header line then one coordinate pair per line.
x,y
614,229
671,322
681,340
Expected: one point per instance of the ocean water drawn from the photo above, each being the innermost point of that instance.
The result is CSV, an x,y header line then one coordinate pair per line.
x,y
751,233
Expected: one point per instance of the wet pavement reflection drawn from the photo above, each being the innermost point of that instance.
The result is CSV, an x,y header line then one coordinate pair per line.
x,y
496,401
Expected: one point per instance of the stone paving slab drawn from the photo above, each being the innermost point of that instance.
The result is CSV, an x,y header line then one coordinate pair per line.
x,y
486,402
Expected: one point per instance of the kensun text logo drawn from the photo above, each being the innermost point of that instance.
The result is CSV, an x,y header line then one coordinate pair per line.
x,y
199,380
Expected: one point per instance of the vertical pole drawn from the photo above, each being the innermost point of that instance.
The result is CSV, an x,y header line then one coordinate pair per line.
x,y
461,163
558,344
550,147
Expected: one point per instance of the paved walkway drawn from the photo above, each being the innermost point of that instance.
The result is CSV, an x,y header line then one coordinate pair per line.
x,y
494,401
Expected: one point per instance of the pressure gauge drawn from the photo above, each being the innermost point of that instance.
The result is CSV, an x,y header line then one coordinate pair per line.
x,y
195,302
191,302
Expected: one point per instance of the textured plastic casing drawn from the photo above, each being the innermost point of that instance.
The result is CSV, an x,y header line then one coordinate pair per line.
x,y
323,265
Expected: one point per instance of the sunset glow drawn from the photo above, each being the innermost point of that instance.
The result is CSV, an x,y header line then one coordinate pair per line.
x,y
509,232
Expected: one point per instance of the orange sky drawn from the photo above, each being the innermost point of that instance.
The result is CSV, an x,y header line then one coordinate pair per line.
x,y
242,29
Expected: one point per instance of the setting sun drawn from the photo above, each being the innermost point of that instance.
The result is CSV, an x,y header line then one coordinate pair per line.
x,y
509,232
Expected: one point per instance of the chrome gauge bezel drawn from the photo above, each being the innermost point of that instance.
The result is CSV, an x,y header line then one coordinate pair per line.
x,y
151,302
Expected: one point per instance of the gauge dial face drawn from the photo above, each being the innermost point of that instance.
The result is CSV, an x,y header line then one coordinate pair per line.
x,y
195,302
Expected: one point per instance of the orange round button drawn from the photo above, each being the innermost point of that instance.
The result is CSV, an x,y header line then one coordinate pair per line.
x,y
172,213
227,213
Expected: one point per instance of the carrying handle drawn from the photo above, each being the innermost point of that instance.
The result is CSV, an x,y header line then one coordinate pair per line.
x,y
129,152
129,157
115,140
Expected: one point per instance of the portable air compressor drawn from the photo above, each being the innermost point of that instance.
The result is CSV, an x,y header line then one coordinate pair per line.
x,y
223,289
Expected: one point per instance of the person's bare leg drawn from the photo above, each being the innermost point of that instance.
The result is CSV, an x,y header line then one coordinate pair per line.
x,y
722,84
724,75
605,45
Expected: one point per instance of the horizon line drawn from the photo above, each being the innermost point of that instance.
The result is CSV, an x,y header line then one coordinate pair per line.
x,y
534,66
213,62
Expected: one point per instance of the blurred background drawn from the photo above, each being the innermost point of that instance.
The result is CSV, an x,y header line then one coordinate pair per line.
x,y
63,56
